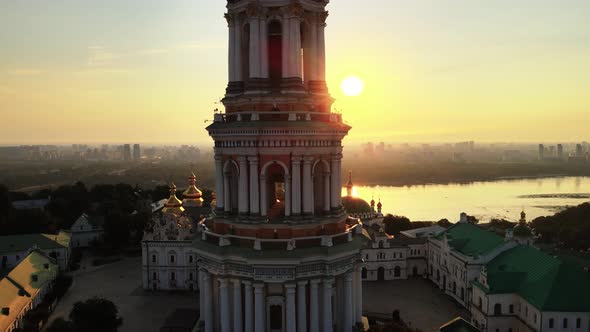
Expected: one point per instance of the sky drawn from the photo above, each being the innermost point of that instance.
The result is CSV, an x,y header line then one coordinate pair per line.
x,y
152,71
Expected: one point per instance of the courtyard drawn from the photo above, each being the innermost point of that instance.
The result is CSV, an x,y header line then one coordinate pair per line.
x,y
120,282
420,303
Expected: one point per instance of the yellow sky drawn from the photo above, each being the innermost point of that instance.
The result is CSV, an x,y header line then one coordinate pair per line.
x,y
444,70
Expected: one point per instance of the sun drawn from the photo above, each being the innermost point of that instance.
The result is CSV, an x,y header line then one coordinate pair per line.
x,y
352,86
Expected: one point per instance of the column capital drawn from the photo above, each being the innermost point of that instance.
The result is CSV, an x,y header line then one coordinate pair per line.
x,y
290,288
253,159
242,159
308,159
236,282
258,288
336,156
315,282
218,158
328,281
296,159
302,283
222,282
348,277
247,283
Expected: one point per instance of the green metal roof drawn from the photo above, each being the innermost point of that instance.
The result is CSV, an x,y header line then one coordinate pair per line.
x,y
470,239
545,281
19,243
355,205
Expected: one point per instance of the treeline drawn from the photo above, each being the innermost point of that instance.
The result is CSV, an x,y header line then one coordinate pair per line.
x,y
124,209
390,172
569,228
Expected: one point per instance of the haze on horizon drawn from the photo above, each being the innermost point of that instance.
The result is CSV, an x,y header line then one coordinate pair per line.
x,y
434,70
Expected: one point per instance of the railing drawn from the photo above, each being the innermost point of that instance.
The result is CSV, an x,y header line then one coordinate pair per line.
x,y
288,244
247,116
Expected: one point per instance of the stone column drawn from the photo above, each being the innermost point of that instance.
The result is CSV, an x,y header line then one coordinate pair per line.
x,y
314,307
219,185
207,309
286,45
335,192
237,305
296,47
248,307
321,55
348,315
263,48
288,199
254,46
296,185
313,58
307,192
231,47
359,294
339,181
263,196
224,318
327,324
327,191
226,193
243,185
290,308
238,50
260,310
254,182
301,307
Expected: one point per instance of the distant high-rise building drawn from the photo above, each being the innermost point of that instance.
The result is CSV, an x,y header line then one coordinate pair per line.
x,y
136,152
559,151
126,152
541,151
579,150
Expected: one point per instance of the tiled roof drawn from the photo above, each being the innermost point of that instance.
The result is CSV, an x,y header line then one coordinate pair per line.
x,y
544,281
21,285
470,239
20,243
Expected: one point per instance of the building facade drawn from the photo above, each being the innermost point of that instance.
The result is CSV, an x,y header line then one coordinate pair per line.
x,y
86,231
13,248
279,252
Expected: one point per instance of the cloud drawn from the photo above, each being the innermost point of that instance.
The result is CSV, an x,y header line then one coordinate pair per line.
x,y
26,71
98,56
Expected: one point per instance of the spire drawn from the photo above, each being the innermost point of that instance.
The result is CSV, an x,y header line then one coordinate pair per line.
x,y
349,185
373,203
522,217
173,205
379,206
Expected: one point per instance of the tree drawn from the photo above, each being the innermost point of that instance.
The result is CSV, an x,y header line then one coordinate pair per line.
x,y
472,220
395,224
444,223
95,315
60,325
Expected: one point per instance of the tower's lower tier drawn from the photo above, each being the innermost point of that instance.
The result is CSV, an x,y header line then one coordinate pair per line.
x,y
307,289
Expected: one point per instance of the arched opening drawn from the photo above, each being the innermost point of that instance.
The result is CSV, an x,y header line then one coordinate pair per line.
x,y
444,283
454,287
275,189
397,272
275,53
364,273
231,179
381,273
415,271
276,317
321,182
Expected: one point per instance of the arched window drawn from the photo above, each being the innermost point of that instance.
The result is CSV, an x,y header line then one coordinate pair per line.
x,y
511,308
497,309
153,258
275,53
172,276
551,323
364,273
397,271
190,258
190,276
565,323
154,276
578,323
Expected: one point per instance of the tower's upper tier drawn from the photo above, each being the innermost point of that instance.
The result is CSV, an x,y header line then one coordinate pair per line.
x,y
277,56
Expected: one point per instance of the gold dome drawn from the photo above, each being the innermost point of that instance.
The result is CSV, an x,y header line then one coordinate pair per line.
x,y
173,205
192,196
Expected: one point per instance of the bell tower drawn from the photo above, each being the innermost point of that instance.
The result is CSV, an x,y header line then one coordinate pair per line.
x,y
278,152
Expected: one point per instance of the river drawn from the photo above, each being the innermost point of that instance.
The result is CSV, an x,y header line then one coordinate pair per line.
x,y
485,200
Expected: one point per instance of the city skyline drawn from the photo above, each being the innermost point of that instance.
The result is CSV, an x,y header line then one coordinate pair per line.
x,y
127,71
